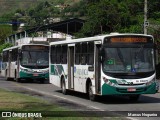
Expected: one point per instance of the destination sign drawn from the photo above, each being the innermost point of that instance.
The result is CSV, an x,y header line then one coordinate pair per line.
x,y
128,40
35,47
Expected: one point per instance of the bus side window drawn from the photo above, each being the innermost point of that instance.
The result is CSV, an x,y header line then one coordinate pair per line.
x,y
84,54
53,54
5,56
58,55
14,54
77,54
90,53
64,54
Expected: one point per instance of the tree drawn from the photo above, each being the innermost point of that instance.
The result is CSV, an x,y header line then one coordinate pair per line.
x,y
5,45
5,30
102,17
107,16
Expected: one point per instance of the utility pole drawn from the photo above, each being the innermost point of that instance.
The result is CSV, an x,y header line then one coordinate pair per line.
x,y
146,23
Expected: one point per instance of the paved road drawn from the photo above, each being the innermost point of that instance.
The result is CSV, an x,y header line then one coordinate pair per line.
x,y
78,101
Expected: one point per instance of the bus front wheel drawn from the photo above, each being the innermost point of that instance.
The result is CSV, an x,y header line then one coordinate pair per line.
x,y
42,81
92,97
64,91
18,79
134,97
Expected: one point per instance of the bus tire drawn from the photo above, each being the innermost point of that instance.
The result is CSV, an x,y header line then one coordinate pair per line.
x,y
42,81
18,80
6,78
92,97
134,97
64,91
29,80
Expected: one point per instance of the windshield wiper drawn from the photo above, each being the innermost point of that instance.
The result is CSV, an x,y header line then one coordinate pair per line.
x,y
121,57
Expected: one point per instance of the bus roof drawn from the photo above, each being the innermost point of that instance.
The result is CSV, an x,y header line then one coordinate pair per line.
x,y
95,38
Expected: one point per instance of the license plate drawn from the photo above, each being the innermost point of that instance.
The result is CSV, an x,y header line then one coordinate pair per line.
x,y
131,89
35,74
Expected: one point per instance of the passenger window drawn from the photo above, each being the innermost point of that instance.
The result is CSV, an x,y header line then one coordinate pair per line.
x,y
64,54
90,53
5,56
84,53
78,54
58,54
53,54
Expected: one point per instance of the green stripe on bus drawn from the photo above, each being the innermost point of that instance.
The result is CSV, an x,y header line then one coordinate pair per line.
x,y
109,90
31,75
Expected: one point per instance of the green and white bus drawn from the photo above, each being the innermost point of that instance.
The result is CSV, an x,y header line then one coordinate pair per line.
x,y
113,64
28,61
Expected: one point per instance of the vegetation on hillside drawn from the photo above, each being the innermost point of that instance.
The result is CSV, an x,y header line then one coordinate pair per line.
x,y
102,16
5,45
5,30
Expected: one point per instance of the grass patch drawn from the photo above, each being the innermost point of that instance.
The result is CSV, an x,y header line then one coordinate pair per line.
x,y
11,101
16,101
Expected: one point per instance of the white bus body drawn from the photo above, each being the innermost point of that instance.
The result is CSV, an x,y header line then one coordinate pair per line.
x,y
104,65
28,61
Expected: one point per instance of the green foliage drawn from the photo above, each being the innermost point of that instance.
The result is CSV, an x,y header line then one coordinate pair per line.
x,y
5,45
5,31
102,16
107,16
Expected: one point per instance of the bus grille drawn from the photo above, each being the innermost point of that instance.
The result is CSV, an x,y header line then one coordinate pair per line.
x,y
131,84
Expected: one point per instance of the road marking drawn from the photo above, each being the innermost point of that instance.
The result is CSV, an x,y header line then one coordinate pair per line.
x,y
132,118
96,108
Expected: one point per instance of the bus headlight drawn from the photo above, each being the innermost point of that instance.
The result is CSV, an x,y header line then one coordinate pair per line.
x,y
45,71
29,70
23,70
108,82
26,70
150,82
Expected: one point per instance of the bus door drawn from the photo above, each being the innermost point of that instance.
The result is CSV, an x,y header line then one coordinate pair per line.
x,y
9,64
97,66
19,55
71,66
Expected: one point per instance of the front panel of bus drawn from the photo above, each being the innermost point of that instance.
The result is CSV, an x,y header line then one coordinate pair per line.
x,y
128,65
34,61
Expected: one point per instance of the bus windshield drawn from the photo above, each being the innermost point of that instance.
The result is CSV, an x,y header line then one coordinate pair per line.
x,y
126,60
35,59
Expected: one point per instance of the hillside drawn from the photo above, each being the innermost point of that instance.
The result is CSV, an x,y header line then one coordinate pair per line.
x,y
11,5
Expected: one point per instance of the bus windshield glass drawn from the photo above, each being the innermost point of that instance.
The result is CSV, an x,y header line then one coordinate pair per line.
x,y
128,59
35,59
